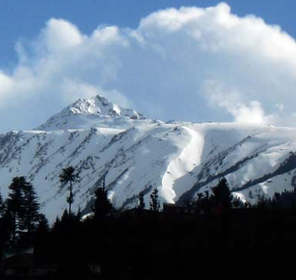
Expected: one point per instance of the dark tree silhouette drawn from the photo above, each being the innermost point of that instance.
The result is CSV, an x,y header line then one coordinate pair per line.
x,y
141,204
65,216
68,175
222,197
2,206
43,226
4,233
154,202
22,208
237,203
15,204
56,225
31,214
102,207
263,202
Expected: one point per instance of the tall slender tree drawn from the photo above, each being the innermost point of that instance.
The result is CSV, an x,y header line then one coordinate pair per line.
x,y
141,204
154,201
68,175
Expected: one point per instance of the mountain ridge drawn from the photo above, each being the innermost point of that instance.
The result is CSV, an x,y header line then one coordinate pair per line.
x,y
138,154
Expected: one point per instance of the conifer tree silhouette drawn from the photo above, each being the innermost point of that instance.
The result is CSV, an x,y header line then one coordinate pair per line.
x,y
154,202
102,206
141,204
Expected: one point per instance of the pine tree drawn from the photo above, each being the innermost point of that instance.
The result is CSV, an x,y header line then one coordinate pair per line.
x,y
222,196
30,208
2,207
43,226
141,201
102,206
4,234
22,207
65,216
68,175
7,226
64,223
78,215
154,202
15,205
237,203
57,224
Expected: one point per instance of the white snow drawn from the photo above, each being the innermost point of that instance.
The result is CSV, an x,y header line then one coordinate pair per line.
x,y
139,154
177,176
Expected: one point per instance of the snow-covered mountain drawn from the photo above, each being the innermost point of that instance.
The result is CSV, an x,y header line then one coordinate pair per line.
x,y
98,137
93,112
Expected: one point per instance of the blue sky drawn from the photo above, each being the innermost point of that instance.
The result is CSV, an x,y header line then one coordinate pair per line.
x,y
25,24
20,18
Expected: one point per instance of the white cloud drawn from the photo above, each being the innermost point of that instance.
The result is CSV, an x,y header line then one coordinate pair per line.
x,y
188,63
6,84
230,100
251,114
60,35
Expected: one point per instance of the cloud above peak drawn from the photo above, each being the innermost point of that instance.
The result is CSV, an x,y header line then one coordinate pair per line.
x,y
60,35
190,63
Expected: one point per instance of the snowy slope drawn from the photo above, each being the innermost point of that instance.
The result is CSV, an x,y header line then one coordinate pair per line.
x,y
180,159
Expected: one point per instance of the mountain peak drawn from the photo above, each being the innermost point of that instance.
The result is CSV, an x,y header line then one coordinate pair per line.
x,y
99,105
88,112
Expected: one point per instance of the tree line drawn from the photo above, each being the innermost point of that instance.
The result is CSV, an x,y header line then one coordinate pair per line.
x,y
126,243
20,213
